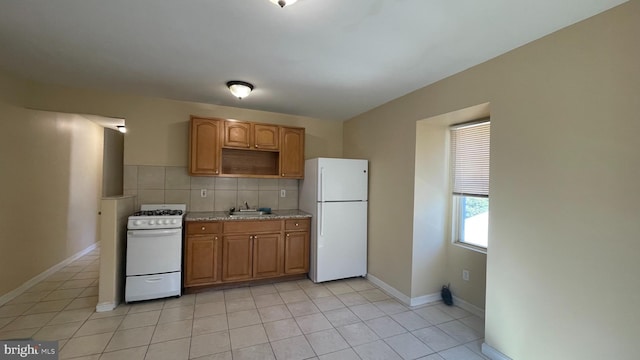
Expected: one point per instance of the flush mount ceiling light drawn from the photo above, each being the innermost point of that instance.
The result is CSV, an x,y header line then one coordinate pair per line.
x,y
283,3
122,129
239,89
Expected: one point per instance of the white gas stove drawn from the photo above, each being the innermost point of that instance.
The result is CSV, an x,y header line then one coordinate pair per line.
x,y
160,216
154,252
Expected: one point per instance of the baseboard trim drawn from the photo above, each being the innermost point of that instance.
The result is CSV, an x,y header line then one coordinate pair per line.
x,y
420,300
106,306
425,299
468,306
36,279
492,353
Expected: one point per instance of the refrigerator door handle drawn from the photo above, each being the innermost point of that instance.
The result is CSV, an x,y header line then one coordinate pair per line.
x,y
321,219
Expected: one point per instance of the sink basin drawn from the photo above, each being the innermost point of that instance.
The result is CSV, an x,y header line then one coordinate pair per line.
x,y
249,213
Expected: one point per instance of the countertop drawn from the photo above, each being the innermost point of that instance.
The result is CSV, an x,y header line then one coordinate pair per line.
x,y
224,216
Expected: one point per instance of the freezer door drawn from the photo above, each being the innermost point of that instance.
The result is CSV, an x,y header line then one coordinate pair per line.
x,y
342,179
340,247
154,251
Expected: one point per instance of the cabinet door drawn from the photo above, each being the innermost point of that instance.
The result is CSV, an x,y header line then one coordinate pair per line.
x,y
237,257
296,253
266,255
266,137
292,153
237,134
202,260
204,149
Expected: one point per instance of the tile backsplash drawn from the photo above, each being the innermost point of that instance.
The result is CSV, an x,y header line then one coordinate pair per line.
x,y
173,185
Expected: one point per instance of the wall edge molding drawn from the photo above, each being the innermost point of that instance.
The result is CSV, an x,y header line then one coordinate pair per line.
x,y
106,306
416,301
43,275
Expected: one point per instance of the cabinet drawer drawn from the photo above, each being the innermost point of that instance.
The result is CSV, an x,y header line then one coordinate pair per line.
x,y
201,227
296,224
252,226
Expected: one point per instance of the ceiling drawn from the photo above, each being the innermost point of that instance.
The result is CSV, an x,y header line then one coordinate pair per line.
x,y
327,59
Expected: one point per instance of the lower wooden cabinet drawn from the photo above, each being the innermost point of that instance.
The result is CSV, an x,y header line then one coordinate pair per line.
x,y
296,253
236,251
266,255
202,254
202,260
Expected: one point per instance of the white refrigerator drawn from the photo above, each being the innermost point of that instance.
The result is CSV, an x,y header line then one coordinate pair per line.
x,y
334,191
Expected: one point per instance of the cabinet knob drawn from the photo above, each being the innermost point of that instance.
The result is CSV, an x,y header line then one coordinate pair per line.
x,y
216,238
282,174
203,228
288,235
256,146
216,171
248,145
297,224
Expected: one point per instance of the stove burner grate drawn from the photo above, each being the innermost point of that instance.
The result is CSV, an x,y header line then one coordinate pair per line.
x,y
162,212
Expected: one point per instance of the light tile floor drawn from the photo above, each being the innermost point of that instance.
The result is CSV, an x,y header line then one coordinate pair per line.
x,y
342,320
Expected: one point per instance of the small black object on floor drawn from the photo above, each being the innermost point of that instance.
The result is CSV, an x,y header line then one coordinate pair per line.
x,y
446,295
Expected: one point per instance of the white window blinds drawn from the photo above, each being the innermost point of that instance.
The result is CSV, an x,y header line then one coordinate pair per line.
x,y
470,158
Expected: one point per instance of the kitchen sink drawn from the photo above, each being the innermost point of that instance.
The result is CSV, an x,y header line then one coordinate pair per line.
x,y
249,213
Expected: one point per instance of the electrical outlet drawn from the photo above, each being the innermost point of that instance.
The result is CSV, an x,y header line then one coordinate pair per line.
x,y
465,275
203,193
283,193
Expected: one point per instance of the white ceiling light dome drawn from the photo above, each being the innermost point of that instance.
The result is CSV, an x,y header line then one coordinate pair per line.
x,y
240,89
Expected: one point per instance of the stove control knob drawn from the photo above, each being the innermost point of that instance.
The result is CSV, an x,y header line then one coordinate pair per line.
x,y
160,222
152,222
137,222
175,221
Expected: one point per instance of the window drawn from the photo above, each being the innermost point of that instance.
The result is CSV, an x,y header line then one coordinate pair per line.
x,y
470,184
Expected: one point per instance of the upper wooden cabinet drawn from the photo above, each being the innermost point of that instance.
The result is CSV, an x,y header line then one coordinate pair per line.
x,y
204,147
246,135
292,153
266,137
237,134
244,149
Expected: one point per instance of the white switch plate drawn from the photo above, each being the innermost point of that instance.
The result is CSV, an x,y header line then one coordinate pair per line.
x,y
283,193
465,275
203,193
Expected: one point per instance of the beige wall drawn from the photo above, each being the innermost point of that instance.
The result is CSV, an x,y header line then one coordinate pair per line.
x,y
51,179
563,257
113,238
112,163
157,129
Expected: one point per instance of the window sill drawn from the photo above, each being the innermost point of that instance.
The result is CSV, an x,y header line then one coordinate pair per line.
x,y
471,247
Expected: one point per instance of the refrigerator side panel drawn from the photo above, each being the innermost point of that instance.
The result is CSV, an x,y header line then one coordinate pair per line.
x,y
307,196
340,249
342,179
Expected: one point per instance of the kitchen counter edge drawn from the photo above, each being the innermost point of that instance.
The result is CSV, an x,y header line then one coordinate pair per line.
x,y
224,216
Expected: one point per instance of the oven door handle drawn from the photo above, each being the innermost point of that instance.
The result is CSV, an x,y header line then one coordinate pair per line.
x,y
153,232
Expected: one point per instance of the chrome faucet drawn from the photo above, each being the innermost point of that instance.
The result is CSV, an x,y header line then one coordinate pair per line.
x,y
246,205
